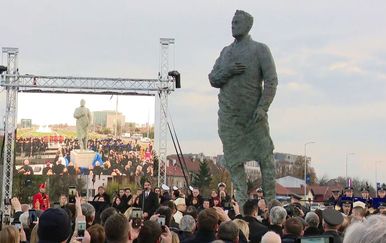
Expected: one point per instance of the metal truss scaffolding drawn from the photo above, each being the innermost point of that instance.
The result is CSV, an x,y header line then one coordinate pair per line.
x,y
15,83
9,122
162,99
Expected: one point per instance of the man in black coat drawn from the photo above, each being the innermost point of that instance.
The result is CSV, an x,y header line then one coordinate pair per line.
x,y
148,200
256,229
312,228
207,225
332,219
293,229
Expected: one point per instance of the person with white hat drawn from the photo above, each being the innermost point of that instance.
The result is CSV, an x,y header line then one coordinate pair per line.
x,y
358,212
175,193
181,208
165,194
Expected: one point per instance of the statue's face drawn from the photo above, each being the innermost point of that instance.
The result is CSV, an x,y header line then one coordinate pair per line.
x,y
239,26
82,103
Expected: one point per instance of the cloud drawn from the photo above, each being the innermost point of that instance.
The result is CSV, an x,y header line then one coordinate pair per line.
x,y
346,67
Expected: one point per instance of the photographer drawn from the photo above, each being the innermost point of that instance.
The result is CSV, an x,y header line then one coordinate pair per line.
x,y
225,199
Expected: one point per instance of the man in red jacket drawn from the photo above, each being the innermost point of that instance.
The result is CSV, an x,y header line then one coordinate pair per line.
x,y
41,201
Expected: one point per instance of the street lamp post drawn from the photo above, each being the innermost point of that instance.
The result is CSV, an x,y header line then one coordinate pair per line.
x,y
305,168
347,154
376,173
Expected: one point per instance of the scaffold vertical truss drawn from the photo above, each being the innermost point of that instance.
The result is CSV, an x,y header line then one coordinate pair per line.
x,y
163,103
11,55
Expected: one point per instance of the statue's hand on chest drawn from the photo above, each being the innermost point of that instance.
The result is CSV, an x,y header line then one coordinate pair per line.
x,y
237,60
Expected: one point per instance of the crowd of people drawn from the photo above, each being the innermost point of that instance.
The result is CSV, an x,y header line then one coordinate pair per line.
x,y
31,146
169,215
113,157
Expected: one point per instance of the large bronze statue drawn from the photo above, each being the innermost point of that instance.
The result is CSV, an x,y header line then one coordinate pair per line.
x,y
246,75
83,122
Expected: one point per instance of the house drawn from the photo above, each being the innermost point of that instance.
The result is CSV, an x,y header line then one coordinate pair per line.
x,y
174,174
290,181
282,194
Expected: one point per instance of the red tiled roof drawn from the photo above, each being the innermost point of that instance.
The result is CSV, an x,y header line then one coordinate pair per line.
x,y
297,190
193,166
325,191
319,190
281,190
174,171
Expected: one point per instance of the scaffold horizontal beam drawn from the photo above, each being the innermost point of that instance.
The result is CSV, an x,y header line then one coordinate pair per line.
x,y
92,85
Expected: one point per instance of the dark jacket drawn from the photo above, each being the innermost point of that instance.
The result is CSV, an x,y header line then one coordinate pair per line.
x,y
184,235
105,196
189,201
337,237
310,231
277,229
201,237
256,229
150,203
289,238
331,201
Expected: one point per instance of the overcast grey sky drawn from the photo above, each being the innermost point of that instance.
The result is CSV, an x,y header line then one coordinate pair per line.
x,y
330,57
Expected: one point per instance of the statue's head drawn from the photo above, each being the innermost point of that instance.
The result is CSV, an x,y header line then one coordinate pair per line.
x,y
241,23
82,102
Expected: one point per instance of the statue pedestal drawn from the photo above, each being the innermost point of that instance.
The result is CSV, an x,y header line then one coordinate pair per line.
x,y
82,158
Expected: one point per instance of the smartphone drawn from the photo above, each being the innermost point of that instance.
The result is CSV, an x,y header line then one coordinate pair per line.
x,y
83,193
81,228
33,218
227,206
161,220
71,194
18,226
136,217
136,213
56,205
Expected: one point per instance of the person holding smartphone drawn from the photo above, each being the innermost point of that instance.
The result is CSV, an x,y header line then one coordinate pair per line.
x,y
11,233
80,231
